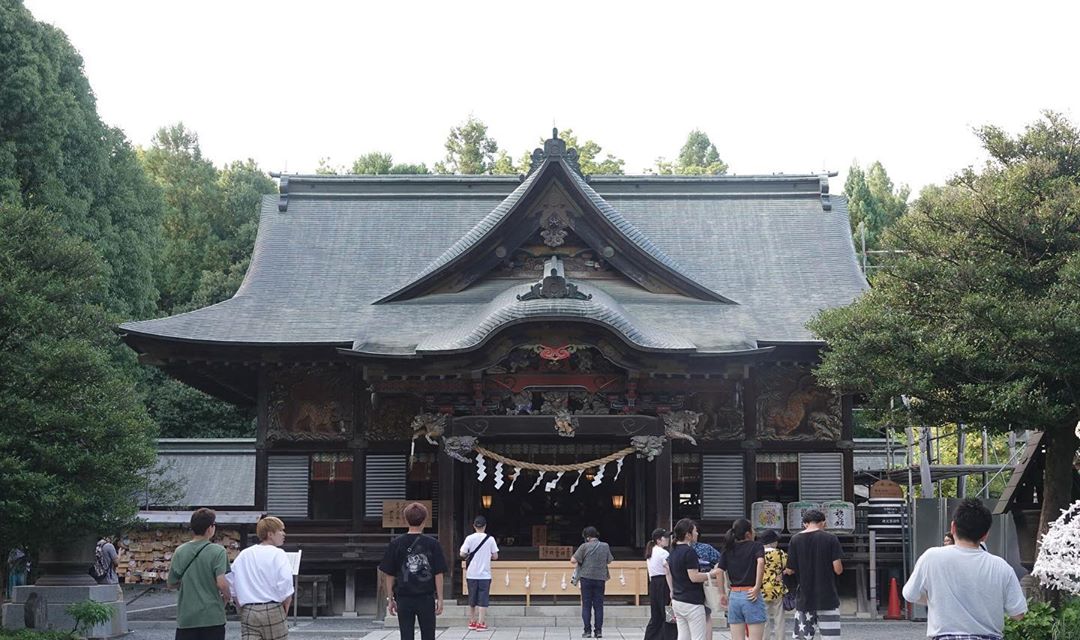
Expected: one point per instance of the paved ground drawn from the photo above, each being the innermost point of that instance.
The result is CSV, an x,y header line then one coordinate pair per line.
x,y
366,629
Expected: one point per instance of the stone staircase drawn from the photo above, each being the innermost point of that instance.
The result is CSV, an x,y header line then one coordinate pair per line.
x,y
545,615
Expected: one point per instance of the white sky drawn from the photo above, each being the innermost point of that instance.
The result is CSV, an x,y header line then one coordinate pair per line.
x,y
779,87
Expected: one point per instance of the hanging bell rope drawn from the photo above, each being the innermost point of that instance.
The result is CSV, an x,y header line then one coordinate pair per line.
x,y
555,468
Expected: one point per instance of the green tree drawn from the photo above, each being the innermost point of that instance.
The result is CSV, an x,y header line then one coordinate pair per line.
x,y
874,204
374,163
588,157
55,153
469,149
378,163
74,438
189,184
979,319
328,168
698,157
212,218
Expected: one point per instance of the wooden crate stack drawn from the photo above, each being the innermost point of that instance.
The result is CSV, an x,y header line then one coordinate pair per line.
x,y
145,555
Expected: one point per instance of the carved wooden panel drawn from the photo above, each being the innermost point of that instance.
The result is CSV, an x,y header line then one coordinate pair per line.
x,y
311,405
792,406
391,418
722,411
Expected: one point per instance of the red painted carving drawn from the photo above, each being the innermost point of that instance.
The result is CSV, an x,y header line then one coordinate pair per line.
x,y
554,354
590,382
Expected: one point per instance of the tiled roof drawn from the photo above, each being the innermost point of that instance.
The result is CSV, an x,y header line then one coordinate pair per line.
x,y
768,242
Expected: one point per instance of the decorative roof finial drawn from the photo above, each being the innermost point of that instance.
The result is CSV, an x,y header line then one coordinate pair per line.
x,y
555,147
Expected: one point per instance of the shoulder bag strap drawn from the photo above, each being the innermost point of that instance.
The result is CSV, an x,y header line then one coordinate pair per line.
x,y
472,553
180,574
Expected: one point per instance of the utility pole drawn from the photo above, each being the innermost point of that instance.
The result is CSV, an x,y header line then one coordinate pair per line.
x,y
961,444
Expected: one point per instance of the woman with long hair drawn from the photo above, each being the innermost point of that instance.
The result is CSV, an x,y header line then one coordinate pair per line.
x,y
656,555
687,593
743,563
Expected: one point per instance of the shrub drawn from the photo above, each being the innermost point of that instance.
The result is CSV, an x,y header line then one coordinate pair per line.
x,y
1037,624
88,614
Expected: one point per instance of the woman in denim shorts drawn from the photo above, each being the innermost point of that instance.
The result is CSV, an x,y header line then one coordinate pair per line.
x,y
743,563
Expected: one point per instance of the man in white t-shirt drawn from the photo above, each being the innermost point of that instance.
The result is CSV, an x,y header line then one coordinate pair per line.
x,y
478,550
968,591
262,584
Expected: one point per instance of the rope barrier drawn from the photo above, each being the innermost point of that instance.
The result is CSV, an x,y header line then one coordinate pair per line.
x,y
554,468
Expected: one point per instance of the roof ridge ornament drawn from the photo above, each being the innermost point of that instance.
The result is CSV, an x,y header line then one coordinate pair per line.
x,y
555,147
554,285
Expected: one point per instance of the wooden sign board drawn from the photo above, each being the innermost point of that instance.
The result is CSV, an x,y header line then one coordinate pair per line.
x,y
886,489
539,535
549,552
393,518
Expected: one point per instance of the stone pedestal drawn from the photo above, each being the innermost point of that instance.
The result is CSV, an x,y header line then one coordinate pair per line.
x,y
44,605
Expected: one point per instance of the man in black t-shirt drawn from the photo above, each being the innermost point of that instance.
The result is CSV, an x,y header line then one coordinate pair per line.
x,y
814,560
414,566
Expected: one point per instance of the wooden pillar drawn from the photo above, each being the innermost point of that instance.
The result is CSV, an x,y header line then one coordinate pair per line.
x,y
359,492
447,491
262,423
662,495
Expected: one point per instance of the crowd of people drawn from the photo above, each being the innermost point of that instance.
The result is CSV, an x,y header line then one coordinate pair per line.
x,y
750,578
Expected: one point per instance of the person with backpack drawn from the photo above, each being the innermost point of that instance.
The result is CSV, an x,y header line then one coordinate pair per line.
x,y
106,560
772,585
478,550
590,568
413,566
198,568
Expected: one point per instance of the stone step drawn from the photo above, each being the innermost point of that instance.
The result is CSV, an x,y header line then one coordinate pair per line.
x,y
526,622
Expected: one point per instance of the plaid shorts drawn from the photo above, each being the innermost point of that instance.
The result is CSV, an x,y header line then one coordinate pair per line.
x,y
265,621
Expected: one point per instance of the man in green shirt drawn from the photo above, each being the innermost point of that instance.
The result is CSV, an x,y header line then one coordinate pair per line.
x,y
199,568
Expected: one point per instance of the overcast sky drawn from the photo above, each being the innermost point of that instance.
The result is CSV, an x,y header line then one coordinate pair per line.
x,y
779,87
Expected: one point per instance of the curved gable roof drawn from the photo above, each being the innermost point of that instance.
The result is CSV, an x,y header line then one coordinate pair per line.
x,y
625,246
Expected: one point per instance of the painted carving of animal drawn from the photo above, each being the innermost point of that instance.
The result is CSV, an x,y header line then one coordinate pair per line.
x,y
429,426
681,425
317,417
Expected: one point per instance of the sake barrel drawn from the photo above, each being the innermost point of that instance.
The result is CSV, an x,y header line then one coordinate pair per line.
x,y
795,511
766,515
888,516
840,517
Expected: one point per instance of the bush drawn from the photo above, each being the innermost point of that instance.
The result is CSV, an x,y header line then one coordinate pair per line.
x,y
88,614
1067,626
32,634
1038,624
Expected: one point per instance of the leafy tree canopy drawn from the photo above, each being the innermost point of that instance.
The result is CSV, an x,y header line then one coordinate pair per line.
x,y
74,437
55,153
874,204
698,157
979,320
378,163
469,149
588,157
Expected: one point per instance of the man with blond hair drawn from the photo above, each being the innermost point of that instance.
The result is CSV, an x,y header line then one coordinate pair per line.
x,y
262,584
198,567
414,566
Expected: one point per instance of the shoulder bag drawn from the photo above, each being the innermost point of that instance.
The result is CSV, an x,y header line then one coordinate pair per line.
x,y
712,594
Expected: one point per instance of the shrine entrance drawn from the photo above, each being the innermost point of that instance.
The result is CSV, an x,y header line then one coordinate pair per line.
x,y
536,513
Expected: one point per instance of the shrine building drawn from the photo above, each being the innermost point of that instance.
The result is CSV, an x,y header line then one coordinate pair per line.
x,y
552,350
